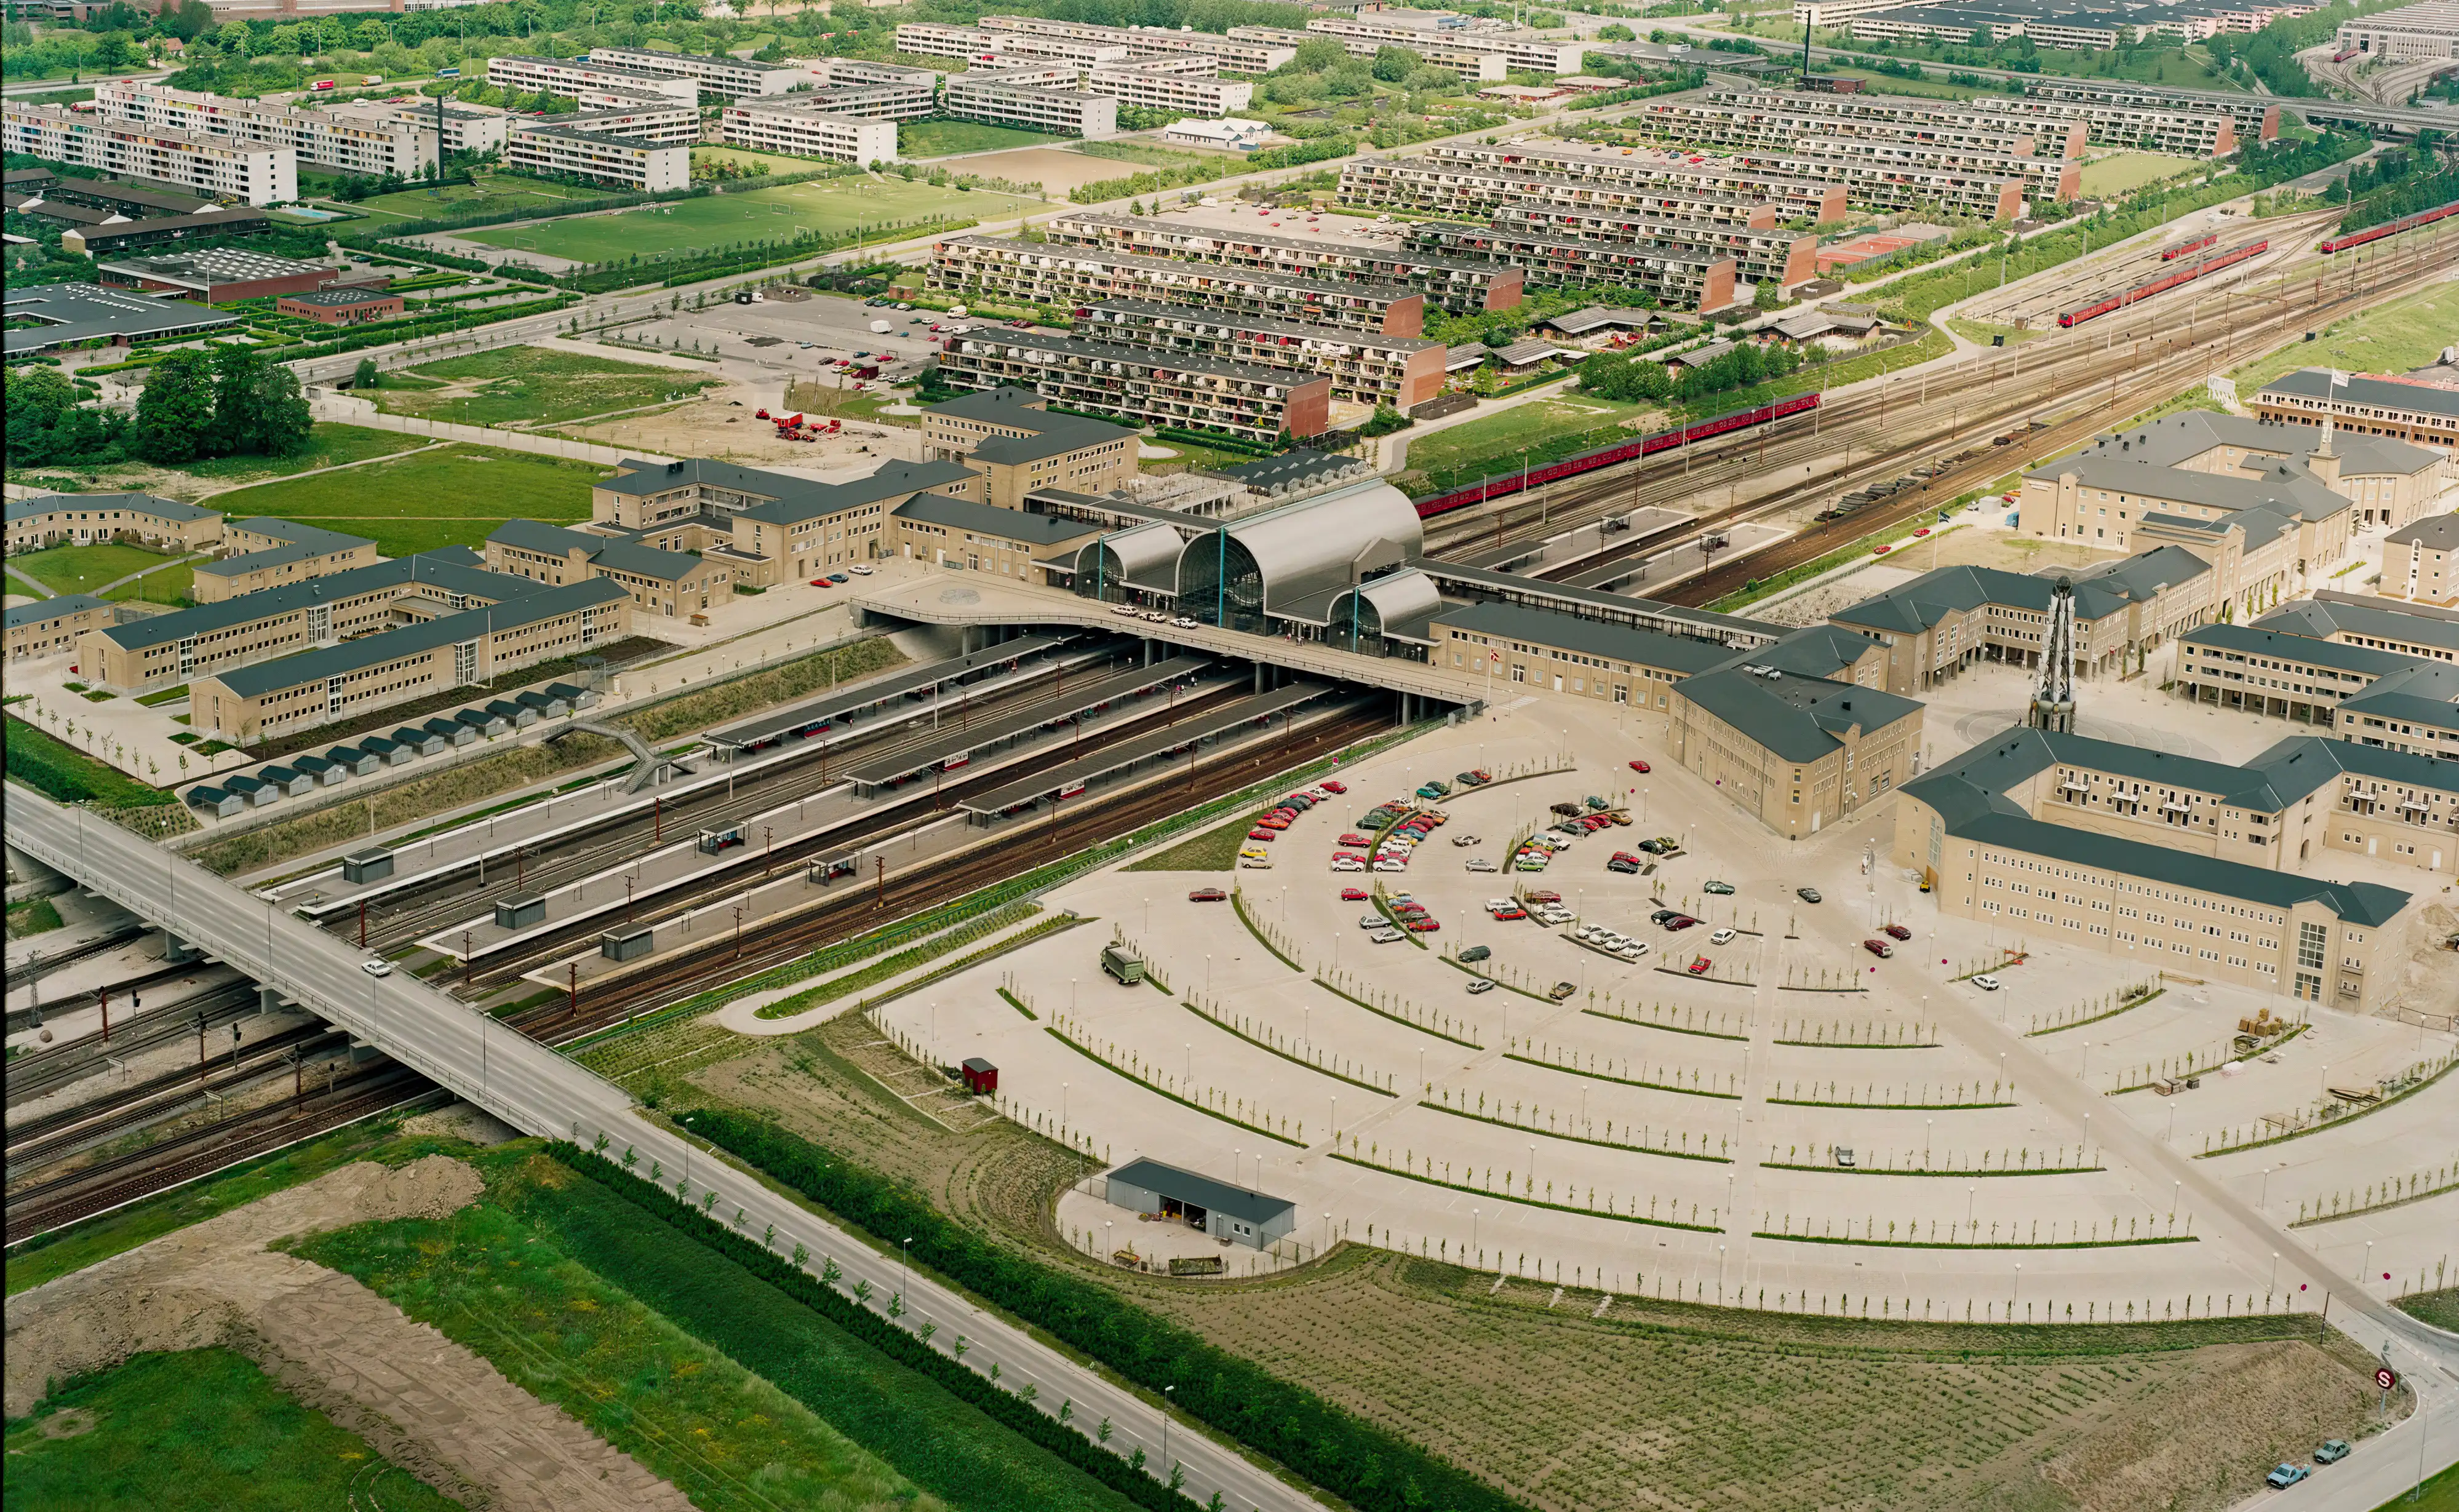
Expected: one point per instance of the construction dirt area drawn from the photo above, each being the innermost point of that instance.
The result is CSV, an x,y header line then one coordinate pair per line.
x,y
427,1404
1967,542
725,427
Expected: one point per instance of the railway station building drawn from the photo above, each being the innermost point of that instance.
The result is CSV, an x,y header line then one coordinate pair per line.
x,y
2203,465
1009,436
1794,752
982,537
2420,561
2365,405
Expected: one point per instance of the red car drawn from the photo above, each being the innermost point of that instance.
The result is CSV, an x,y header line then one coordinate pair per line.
x,y
1640,767
1878,948
1881,551
1681,921
1542,895
1334,788
1263,834
1356,840
1923,531
1419,926
1273,821
819,582
1509,913
1700,966
1896,929
1353,895
1206,895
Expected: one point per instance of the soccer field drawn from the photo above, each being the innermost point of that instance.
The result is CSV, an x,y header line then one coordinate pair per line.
x,y
763,215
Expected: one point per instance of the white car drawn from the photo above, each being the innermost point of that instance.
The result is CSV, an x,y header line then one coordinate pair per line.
x,y
1985,983
858,569
1374,921
1632,951
376,967
1183,623
1463,842
1256,863
1480,864
1723,936
1479,984
1491,904
1348,864
1129,610
1386,936
1391,866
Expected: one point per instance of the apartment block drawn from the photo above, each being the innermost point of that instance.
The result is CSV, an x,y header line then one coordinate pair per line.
x,y
250,173
268,553
2420,562
1021,97
1016,446
934,40
1678,275
1761,117
464,128
840,72
2372,697
267,700
1143,388
733,77
657,580
803,130
1789,258
79,519
2256,117
1037,273
1166,89
600,158
1462,56
1878,172
50,627
2365,405
567,76
1460,285
328,138
1870,184
1427,187
1364,368
2188,131
1146,43
1519,50
1796,752
1796,198
660,122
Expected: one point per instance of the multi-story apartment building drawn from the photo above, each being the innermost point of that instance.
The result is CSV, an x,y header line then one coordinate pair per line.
x,y
934,40
553,75
1880,170
2071,869
1041,97
760,529
1146,43
1795,199
2256,117
980,537
330,139
2409,701
1037,273
1462,56
2420,561
2366,621
660,122
1685,275
1872,179
1424,186
1142,386
621,161
2188,131
2365,405
658,582
1363,366
1949,617
1794,752
268,553
80,519
733,77
1526,51
1165,89
1458,284
1768,117
50,627
839,72
811,126
1763,254
266,700
249,172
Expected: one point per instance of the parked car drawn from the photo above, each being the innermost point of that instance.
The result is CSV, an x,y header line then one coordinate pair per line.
x,y
1479,984
1878,948
1508,915
1541,895
2332,1452
1561,990
1481,864
1337,787
1355,839
1806,895
1206,895
1475,953
1662,914
2286,1476
1641,766
1263,834
1423,926
1623,865
1723,936
1462,842
1985,983
1720,888
1897,931
1385,936
1699,965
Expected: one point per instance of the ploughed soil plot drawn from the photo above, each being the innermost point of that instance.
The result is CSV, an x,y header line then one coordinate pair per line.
x,y
1652,1405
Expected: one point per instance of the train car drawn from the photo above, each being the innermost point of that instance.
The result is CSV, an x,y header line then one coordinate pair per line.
x,y
1503,485
2196,245
2200,268
1074,789
2344,53
952,763
2388,228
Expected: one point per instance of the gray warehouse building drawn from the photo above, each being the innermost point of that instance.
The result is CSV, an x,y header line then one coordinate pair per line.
x,y
1224,1211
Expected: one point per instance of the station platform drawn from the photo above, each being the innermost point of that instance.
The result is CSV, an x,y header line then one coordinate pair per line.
x,y
1073,777
958,745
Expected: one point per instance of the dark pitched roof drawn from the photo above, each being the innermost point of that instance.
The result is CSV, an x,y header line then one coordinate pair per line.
x,y
2433,532
1618,643
58,608
2315,383
1910,608
447,568
988,519
2355,902
1799,719
1820,651
310,667
141,503
2251,641
2315,617
1237,1202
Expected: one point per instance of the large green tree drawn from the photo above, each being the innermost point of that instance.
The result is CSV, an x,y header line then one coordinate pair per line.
x,y
175,414
258,407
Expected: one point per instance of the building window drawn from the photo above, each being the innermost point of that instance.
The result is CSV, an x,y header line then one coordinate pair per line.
x,y
2310,939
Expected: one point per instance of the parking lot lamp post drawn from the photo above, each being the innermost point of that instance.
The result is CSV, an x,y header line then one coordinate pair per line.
x,y
1929,1126
2264,1200
1971,1191
2275,1271
1063,1104
1472,1233
2019,1290
904,1263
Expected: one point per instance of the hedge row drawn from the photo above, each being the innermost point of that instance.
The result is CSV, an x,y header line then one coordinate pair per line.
x,y
1375,1471
995,1402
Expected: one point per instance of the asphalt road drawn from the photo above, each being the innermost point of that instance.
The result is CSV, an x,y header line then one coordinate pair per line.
x,y
541,1092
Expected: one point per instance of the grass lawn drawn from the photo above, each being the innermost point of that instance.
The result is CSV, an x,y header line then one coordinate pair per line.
x,y
450,495
492,192
763,215
536,384
2121,172
34,916
85,569
204,1428
2392,338
661,1345
1556,426
939,139
327,446
1151,154
1889,84
757,161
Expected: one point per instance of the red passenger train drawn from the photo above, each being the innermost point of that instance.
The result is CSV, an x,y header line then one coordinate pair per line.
x,y
1504,484
2200,242
2165,283
2407,223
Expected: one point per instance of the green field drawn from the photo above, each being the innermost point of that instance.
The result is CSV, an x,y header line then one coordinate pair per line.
x,y
757,161
940,139
327,446
2121,172
453,495
490,193
826,206
534,385
1493,443
2407,332
204,1429
85,569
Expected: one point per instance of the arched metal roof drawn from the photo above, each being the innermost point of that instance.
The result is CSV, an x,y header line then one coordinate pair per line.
x,y
1400,600
1141,557
1320,545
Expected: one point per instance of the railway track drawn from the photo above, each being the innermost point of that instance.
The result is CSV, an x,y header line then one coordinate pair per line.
x,y
43,1071
36,1142
85,950
858,909
726,879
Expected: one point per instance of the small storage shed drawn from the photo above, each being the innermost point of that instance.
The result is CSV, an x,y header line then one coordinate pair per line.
x,y
1236,1214
981,1077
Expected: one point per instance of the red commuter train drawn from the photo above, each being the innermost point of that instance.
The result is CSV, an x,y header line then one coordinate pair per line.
x,y
2164,283
1504,484
2407,223
2196,245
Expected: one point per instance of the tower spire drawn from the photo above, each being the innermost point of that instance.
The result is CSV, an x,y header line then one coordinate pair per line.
x,y
2054,702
